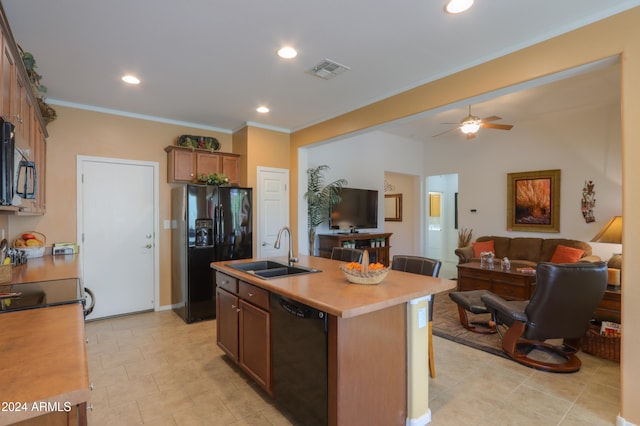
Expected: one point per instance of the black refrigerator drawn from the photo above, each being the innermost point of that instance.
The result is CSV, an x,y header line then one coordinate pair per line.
x,y
209,223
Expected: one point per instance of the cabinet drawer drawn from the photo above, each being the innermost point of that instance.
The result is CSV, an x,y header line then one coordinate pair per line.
x,y
510,292
468,285
253,294
227,282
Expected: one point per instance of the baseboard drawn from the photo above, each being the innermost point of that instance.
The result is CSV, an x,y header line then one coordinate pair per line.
x,y
420,421
166,308
620,421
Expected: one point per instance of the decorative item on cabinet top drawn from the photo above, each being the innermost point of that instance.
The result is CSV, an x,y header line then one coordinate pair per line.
x,y
214,179
200,142
39,90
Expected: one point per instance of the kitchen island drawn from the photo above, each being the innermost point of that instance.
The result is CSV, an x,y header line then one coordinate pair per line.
x,y
377,358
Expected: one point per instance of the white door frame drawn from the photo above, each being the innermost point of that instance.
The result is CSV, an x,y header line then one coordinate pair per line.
x,y
80,159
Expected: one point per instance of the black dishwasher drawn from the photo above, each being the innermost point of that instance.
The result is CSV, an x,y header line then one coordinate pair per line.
x,y
299,359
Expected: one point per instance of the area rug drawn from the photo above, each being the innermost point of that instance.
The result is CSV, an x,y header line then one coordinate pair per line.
x,y
446,324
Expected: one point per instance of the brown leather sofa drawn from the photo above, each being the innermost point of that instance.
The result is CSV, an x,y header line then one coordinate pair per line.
x,y
526,251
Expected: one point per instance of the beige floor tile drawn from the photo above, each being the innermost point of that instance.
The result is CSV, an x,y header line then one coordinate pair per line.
x,y
153,367
131,390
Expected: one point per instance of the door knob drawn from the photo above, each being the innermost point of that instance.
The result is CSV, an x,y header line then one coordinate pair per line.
x,y
149,236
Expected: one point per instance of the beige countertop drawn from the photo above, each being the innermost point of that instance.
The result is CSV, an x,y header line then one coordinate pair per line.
x,y
330,291
42,358
47,268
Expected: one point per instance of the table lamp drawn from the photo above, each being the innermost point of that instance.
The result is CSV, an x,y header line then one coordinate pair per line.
x,y
612,233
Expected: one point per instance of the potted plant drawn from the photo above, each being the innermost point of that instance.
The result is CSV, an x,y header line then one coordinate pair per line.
x,y
214,179
320,197
40,90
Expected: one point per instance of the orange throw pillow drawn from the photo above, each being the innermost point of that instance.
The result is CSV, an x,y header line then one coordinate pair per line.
x,y
564,254
483,246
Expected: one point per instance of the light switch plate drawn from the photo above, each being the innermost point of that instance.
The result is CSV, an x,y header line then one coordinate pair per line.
x,y
167,224
422,317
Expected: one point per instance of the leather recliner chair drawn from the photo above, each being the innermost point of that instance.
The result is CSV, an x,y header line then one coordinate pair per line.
x,y
564,301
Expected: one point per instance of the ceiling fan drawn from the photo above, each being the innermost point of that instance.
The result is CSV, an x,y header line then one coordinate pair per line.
x,y
471,124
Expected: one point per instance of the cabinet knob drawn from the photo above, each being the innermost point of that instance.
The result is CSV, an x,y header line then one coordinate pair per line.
x,y
250,294
91,386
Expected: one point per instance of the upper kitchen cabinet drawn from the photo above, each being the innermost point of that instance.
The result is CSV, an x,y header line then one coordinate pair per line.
x,y
20,106
186,164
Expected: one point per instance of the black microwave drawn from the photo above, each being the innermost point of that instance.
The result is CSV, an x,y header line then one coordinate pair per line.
x,y
7,162
17,172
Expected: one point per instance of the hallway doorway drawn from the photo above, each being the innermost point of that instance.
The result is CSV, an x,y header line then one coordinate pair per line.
x,y
441,232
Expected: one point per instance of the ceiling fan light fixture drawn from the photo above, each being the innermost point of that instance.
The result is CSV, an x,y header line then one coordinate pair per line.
x,y
470,126
457,6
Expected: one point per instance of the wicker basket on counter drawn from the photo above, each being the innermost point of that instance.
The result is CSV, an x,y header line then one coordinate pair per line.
x,y
365,275
33,252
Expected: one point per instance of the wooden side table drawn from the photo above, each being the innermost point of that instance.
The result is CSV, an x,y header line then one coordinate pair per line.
x,y
610,306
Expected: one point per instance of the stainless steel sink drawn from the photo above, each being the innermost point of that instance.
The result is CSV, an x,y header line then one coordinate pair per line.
x,y
268,269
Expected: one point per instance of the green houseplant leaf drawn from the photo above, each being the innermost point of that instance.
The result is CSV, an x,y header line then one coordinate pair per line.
x,y
320,197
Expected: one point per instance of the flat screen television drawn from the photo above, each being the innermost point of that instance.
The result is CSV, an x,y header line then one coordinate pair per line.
x,y
358,209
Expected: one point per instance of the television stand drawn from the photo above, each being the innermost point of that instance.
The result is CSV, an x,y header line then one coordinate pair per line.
x,y
362,241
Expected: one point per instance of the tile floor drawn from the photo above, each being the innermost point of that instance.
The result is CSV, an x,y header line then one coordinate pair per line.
x,y
152,368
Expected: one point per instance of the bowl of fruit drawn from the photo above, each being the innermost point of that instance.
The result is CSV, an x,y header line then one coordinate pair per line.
x,y
32,243
365,272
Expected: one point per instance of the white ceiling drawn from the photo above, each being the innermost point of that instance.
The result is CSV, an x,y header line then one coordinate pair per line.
x,y
211,63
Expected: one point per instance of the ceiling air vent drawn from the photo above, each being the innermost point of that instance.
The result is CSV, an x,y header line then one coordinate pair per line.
x,y
328,69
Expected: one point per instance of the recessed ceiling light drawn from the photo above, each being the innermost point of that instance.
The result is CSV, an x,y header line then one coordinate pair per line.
x,y
131,79
457,6
287,52
262,109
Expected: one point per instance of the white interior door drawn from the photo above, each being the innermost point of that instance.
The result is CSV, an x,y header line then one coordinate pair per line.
x,y
117,225
273,210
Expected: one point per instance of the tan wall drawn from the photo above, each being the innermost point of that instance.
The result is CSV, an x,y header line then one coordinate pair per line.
x,y
267,148
614,36
259,148
80,132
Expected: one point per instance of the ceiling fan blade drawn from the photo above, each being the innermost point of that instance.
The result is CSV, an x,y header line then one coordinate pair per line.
x,y
497,126
446,131
492,118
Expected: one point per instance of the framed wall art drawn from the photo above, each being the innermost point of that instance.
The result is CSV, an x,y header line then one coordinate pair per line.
x,y
393,207
533,201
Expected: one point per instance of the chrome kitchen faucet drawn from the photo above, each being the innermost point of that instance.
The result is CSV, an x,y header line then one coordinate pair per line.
x,y
276,245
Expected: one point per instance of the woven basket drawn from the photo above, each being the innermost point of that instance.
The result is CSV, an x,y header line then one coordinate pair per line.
x,y
368,277
33,252
607,347
372,277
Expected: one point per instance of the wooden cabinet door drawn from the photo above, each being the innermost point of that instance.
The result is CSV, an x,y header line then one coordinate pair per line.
x,y
40,150
8,78
227,323
231,168
207,163
255,343
181,166
21,119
